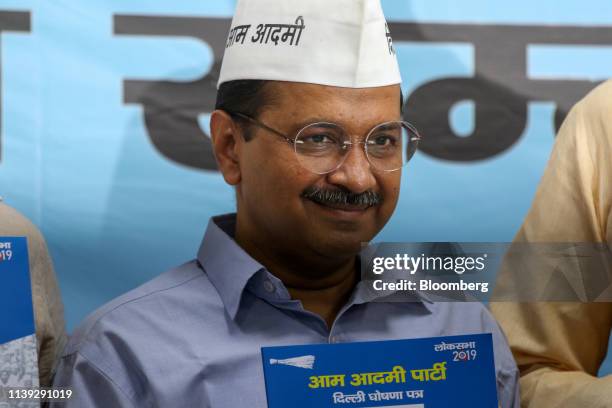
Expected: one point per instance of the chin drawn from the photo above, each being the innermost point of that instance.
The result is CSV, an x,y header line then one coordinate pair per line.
x,y
341,245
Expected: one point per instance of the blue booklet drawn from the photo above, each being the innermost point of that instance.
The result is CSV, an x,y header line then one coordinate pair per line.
x,y
18,355
457,371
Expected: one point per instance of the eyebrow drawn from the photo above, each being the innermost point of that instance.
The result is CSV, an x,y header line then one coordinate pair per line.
x,y
310,121
388,126
315,119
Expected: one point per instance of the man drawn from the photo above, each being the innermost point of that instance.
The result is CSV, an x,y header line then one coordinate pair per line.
x,y
559,347
48,308
307,129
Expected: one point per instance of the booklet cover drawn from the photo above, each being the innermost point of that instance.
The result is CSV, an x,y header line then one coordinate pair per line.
x,y
438,372
18,355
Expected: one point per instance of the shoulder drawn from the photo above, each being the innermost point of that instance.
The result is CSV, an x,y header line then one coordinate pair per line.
x,y
12,222
148,330
598,102
589,119
142,314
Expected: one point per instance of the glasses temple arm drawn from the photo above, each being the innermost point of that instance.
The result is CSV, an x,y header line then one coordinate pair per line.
x,y
262,125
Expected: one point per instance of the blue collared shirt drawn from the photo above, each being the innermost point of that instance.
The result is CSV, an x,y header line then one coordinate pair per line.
x,y
192,336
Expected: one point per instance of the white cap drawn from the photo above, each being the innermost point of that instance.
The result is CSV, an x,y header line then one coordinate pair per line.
x,y
342,43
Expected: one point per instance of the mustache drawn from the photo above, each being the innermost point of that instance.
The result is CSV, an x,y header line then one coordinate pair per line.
x,y
339,196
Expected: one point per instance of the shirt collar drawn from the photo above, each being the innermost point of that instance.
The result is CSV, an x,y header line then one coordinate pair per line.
x,y
365,291
230,269
227,265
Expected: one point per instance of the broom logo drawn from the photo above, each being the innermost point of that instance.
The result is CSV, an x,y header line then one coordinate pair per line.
x,y
300,362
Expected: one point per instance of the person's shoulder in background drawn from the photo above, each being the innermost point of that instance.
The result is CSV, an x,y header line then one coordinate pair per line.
x,y
594,113
48,307
560,346
599,101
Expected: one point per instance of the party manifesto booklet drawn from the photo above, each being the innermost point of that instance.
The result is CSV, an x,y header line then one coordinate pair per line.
x,y
18,355
438,372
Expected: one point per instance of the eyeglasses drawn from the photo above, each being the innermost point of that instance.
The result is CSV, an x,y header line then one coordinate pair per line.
x,y
322,147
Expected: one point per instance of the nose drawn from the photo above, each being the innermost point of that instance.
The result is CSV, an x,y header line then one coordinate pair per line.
x,y
355,173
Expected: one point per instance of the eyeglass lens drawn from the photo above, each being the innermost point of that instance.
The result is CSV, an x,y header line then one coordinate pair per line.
x,y
322,147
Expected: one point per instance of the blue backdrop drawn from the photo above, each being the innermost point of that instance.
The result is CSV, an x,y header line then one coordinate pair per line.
x,y
95,93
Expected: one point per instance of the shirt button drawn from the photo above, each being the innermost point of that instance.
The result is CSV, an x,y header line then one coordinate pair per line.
x,y
269,286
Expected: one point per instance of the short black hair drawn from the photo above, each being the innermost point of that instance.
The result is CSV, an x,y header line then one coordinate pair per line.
x,y
246,96
250,97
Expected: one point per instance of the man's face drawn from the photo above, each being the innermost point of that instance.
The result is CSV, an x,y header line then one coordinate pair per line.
x,y
273,183
4,376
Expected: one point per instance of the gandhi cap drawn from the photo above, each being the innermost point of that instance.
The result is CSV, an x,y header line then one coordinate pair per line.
x,y
343,43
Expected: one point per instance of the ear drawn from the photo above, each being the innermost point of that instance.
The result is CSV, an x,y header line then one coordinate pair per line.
x,y
226,140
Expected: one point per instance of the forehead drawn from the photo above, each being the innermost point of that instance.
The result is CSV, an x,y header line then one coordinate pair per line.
x,y
350,107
